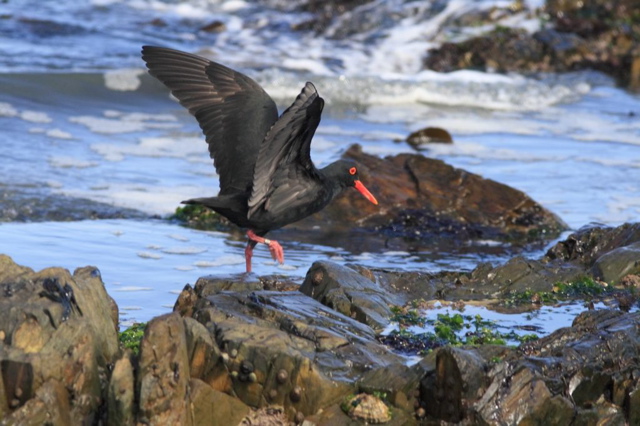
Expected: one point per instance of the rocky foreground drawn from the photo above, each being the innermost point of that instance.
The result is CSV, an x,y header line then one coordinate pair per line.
x,y
264,351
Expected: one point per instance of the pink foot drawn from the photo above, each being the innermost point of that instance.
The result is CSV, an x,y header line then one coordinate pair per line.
x,y
277,253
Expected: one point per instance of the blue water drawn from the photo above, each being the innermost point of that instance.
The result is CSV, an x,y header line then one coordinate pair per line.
x,y
79,117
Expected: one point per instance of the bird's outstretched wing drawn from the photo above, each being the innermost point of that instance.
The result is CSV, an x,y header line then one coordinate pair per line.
x,y
284,169
234,112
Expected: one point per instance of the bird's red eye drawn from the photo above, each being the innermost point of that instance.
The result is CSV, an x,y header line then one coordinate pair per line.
x,y
352,171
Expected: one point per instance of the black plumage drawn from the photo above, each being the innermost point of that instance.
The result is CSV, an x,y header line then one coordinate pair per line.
x,y
267,178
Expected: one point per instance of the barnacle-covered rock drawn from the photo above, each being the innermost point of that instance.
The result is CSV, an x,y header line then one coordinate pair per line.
x,y
368,408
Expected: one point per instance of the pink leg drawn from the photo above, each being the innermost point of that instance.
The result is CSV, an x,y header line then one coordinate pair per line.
x,y
277,253
248,254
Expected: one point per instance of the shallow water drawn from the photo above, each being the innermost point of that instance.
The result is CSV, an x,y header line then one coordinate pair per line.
x,y
80,118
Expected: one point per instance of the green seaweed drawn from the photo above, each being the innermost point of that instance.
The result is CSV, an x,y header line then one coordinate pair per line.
x,y
201,217
405,316
585,288
447,330
132,336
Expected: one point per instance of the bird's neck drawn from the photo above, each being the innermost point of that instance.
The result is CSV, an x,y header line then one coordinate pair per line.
x,y
334,185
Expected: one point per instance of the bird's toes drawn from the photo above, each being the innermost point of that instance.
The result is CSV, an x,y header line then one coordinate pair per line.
x,y
277,253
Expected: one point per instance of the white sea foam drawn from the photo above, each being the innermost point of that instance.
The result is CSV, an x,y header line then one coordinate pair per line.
x,y
133,288
152,199
178,237
149,255
35,116
7,110
131,308
70,162
54,184
287,267
108,126
395,253
59,134
184,250
123,80
233,259
184,268
177,147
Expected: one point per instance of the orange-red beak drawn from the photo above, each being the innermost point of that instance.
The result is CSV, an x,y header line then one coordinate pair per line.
x,y
364,191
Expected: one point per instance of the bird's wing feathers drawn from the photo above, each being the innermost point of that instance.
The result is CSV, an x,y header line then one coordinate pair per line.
x,y
286,151
234,112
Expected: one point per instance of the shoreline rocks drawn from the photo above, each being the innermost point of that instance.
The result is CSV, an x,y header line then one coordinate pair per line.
x,y
427,200
246,350
597,34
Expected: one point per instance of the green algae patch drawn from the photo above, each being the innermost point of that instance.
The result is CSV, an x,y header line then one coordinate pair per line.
x,y
200,217
132,336
447,329
585,288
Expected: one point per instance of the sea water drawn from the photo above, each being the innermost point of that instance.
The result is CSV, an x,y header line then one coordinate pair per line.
x,y
80,118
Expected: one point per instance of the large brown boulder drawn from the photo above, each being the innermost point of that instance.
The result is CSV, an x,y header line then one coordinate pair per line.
x,y
57,339
422,198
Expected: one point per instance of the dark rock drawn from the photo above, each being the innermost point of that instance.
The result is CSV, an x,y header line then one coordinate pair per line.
x,y
459,376
349,293
275,416
634,405
121,393
49,406
214,27
322,351
29,205
601,413
611,267
202,351
564,378
594,34
429,135
186,300
209,285
324,12
631,281
426,199
579,361
581,255
212,407
397,382
590,242
163,372
56,345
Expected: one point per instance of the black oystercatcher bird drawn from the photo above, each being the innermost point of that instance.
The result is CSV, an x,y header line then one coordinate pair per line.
x,y
267,178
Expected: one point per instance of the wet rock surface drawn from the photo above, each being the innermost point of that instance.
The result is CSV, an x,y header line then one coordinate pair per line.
x,y
29,205
427,199
57,342
595,34
252,350
349,293
573,376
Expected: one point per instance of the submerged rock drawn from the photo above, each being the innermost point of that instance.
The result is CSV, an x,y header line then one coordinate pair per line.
x,y
29,205
429,135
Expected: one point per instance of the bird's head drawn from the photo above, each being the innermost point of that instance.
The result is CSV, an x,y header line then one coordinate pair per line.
x,y
345,172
